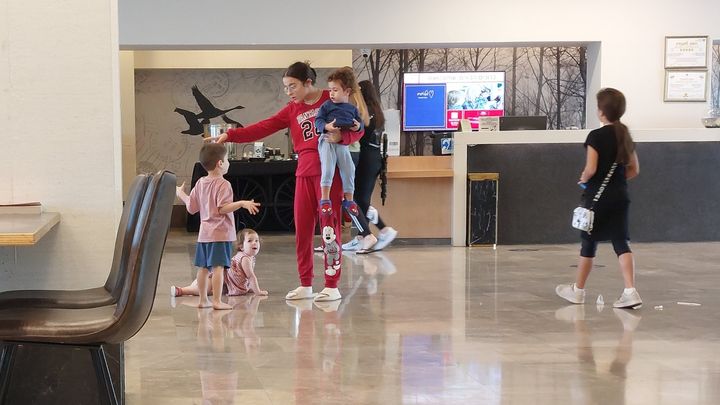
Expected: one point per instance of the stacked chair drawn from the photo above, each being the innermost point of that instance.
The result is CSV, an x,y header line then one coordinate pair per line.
x,y
105,315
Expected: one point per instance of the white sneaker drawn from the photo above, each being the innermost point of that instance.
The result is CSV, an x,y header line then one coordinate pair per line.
x,y
569,293
328,294
353,245
372,215
385,236
631,301
299,293
368,242
318,249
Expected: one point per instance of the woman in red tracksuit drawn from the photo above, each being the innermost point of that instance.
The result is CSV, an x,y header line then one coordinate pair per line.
x,y
299,116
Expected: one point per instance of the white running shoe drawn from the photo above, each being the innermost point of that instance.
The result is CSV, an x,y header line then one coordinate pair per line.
x,y
372,215
299,293
631,301
368,242
385,236
569,293
352,246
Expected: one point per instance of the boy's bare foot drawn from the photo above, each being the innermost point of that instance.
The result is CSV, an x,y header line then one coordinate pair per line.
x,y
221,305
205,304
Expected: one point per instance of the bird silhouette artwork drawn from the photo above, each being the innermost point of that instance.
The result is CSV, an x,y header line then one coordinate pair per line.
x,y
207,112
230,121
196,127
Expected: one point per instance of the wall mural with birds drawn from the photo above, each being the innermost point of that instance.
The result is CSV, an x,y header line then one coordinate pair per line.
x,y
207,112
171,106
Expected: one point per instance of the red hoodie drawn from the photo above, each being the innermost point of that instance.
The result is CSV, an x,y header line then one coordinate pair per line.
x,y
300,118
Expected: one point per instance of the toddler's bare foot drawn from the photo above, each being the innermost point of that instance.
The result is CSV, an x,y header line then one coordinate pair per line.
x,y
205,304
221,305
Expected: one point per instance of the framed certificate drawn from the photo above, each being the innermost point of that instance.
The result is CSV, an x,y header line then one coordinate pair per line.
x,y
686,52
685,85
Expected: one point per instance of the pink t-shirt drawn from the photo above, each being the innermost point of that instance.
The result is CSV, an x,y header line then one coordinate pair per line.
x,y
208,195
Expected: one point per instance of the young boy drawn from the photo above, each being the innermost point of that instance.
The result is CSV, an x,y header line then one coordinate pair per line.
x,y
338,113
212,196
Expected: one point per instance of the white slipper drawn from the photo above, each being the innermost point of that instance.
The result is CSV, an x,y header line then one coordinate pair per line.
x,y
299,293
328,294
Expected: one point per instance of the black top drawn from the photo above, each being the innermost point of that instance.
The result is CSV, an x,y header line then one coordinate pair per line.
x,y
370,141
603,140
611,210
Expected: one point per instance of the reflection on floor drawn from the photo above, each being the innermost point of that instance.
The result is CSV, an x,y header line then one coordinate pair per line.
x,y
438,325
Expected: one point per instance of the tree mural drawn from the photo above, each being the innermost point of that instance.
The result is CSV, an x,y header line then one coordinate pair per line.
x,y
549,81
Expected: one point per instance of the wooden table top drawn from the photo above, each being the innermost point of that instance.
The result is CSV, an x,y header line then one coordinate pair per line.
x,y
26,229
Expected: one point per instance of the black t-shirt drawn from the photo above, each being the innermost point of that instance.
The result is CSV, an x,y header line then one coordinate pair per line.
x,y
370,141
603,140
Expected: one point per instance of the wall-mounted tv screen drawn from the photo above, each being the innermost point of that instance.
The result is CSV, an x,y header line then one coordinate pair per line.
x,y
438,101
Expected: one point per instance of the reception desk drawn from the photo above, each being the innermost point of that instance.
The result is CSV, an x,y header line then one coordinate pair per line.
x,y
419,196
676,198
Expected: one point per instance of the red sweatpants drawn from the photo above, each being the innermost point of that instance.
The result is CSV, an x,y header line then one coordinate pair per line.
x,y
307,199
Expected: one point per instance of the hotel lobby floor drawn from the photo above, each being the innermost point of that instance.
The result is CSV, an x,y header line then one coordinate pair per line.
x,y
438,325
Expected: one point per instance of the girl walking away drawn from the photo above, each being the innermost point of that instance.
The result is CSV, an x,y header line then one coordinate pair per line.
x,y
610,152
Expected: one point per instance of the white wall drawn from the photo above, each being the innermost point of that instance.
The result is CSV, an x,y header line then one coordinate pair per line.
x,y
631,33
60,137
127,121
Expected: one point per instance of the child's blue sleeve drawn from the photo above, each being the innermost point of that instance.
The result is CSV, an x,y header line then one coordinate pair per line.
x,y
321,119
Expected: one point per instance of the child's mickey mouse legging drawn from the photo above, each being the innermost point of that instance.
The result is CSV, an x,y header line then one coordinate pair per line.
x,y
307,198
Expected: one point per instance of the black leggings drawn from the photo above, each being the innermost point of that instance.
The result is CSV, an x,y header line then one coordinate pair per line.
x,y
367,170
589,247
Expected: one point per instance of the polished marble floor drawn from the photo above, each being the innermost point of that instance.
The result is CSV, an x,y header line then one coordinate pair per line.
x,y
439,325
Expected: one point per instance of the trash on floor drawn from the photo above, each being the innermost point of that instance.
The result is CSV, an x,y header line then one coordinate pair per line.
x,y
690,304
